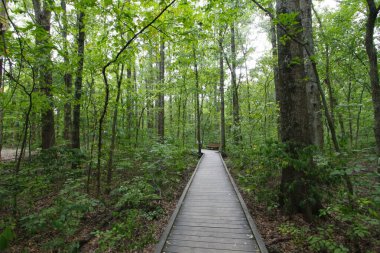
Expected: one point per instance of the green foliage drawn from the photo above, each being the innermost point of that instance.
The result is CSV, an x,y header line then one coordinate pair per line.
x,y
6,236
325,241
298,234
163,165
137,193
63,217
259,171
129,233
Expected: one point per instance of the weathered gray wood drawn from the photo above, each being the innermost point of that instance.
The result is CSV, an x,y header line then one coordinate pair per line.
x,y
195,238
213,245
179,249
251,222
210,217
165,235
211,234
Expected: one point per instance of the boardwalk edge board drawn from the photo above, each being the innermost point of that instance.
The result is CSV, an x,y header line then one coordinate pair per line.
x,y
165,234
251,222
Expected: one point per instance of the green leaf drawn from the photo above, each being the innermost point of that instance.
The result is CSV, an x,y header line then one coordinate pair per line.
x,y
5,237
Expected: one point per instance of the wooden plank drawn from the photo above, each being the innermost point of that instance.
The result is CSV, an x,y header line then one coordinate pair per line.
x,y
195,238
211,204
211,217
179,249
213,209
212,221
165,234
212,234
209,229
209,224
251,222
212,245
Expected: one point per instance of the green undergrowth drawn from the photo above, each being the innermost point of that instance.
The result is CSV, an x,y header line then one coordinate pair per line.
x,y
346,223
50,206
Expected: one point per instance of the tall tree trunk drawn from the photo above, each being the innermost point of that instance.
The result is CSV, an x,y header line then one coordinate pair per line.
x,y
234,86
329,114
149,103
1,104
358,118
197,109
119,79
129,102
3,27
68,79
161,95
273,39
78,81
222,107
295,128
43,16
371,50
314,102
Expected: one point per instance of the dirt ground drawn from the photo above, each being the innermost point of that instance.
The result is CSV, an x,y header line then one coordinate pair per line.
x,y
8,154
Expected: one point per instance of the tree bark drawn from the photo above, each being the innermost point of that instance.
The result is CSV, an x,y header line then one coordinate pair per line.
x,y
78,81
42,17
235,92
273,39
222,107
1,105
197,109
371,50
161,95
67,78
295,128
119,79
314,102
3,27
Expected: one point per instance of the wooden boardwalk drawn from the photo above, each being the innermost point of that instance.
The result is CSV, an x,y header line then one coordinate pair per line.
x,y
211,216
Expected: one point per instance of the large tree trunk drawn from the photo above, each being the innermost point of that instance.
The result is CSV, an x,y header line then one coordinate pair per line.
x,y
78,82
313,96
42,16
161,95
295,128
373,11
235,95
68,79
221,83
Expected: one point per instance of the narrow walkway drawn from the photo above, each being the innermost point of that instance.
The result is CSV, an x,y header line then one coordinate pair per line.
x,y
211,215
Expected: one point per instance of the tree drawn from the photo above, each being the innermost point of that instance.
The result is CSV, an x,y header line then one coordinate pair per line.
x,y
235,89
3,27
42,11
371,50
68,78
295,129
221,88
314,102
197,106
161,94
78,80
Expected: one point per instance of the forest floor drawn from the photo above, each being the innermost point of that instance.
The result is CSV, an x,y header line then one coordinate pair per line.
x,y
8,154
343,229
56,215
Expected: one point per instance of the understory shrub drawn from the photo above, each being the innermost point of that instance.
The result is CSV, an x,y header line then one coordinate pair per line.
x,y
63,217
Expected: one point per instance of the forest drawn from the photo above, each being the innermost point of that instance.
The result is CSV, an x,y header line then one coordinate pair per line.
x,y
106,105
